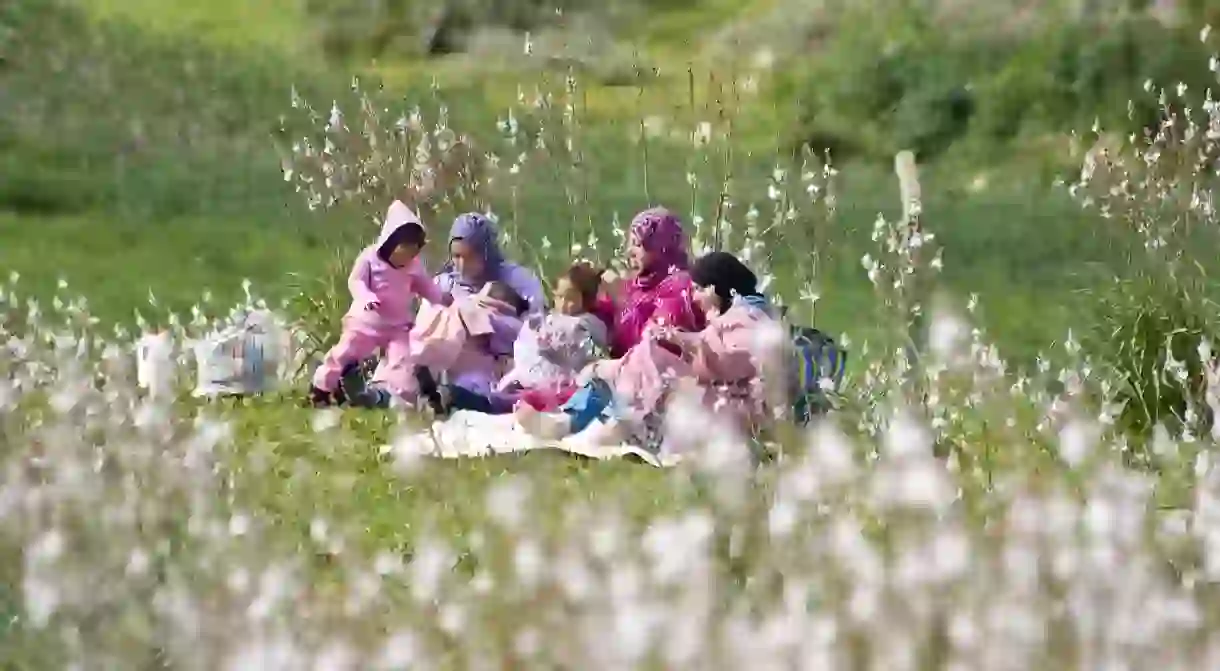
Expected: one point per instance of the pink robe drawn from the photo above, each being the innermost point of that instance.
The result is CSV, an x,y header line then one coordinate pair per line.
x,y
724,358
455,339
669,302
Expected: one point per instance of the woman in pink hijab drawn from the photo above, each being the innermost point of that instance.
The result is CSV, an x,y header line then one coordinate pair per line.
x,y
660,291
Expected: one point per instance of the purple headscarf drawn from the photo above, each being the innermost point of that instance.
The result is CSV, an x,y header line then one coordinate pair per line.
x,y
480,233
660,233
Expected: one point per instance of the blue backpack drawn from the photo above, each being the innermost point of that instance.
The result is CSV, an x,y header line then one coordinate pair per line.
x,y
817,357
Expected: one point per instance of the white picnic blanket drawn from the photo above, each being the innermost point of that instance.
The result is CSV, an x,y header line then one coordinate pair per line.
x,y
473,434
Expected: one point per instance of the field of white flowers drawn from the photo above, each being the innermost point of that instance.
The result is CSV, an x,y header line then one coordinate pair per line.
x,y
953,514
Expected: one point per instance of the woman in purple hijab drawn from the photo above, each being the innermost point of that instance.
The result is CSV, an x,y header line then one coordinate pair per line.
x,y
474,261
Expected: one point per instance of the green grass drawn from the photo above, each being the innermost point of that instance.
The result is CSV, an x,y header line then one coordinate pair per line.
x,y
278,25
118,263
344,474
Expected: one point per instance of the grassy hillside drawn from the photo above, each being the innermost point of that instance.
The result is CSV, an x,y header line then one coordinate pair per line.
x,y
185,168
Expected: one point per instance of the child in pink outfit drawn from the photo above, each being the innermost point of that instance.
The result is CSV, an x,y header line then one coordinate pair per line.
x,y
387,276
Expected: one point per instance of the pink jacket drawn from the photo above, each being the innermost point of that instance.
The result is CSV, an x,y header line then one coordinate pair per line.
x,y
374,280
724,358
727,351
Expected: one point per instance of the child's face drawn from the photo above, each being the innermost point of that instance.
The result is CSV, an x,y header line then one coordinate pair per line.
x,y
707,300
403,254
568,300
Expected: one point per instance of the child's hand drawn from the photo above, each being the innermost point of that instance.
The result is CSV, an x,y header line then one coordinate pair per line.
x,y
613,286
656,331
372,306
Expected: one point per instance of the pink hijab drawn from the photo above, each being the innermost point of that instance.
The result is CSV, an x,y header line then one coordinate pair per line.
x,y
662,291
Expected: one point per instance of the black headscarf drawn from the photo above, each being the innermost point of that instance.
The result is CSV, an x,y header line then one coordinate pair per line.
x,y
727,276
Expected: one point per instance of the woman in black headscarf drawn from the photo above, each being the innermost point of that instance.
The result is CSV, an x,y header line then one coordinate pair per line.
x,y
721,279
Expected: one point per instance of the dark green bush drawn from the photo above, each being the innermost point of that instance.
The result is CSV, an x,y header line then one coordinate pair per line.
x,y
906,83
364,28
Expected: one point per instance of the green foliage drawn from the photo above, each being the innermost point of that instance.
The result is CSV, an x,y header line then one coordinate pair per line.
x,y
355,28
102,114
317,302
1070,76
1152,333
909,82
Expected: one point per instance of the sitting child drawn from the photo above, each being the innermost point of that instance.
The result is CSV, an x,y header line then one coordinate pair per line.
x,y
553,348
384,280
470,381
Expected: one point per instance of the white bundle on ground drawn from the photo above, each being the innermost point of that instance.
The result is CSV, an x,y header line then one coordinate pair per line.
x,y
155,364
251,356
473,434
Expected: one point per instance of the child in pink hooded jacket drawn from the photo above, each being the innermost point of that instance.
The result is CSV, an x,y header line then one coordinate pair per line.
x,y
385,279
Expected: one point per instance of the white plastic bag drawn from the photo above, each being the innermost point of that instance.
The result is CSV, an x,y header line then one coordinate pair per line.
x,y
155,364
240,360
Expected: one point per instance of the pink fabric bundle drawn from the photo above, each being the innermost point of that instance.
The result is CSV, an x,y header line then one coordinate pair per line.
x,y
451,339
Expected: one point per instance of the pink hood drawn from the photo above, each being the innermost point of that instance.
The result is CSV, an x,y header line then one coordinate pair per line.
x,y
374,280
397,216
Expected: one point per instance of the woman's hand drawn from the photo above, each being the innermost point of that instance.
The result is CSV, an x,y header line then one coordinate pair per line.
x,y
494,305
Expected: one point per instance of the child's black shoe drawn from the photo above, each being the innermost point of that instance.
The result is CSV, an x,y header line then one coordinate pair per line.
x,y
352,383
319,398
430,390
